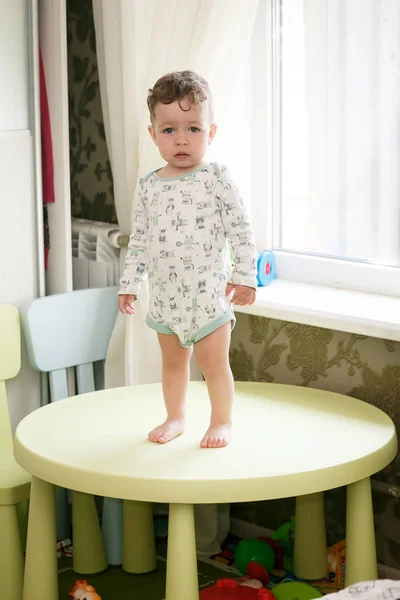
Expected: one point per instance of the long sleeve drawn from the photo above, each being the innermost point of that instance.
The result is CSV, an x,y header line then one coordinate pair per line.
x,y
238,230
135,270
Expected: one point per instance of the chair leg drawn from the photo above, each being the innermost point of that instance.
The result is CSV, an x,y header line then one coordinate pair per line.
x,y
11,555
361,562
139,549
40,580
23,511
182,578
310,551
112,528
89,553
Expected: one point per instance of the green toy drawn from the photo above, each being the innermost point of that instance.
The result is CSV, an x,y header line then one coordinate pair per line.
x,y
295,590
285,531
254,551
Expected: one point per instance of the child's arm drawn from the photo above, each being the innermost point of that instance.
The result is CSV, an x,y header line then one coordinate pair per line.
x,y
135,270
239,232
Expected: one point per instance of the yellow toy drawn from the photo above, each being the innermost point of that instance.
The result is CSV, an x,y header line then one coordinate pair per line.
x,y
83,591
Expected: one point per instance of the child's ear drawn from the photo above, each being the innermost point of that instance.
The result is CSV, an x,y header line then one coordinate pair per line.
x,y
212,132
152,132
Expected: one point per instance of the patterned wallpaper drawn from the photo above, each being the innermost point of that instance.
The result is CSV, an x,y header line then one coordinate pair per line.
x,y
363,367
91,178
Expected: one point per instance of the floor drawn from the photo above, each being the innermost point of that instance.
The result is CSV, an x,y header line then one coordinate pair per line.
x,y
114,584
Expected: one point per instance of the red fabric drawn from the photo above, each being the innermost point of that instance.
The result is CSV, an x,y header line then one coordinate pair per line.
x,y
47,147
47,156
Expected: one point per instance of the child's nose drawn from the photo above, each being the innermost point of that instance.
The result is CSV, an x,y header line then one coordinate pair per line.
x,y
181,138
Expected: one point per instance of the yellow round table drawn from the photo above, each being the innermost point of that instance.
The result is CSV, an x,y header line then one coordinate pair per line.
x,y
288,441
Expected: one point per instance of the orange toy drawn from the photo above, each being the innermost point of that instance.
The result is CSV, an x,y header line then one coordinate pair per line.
x,y
83,591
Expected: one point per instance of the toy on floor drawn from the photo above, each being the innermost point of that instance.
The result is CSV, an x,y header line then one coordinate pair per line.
x,y
335,580
83,591
285,532
64,548
230,589
278,548
255,558
282,542
296,590
256,584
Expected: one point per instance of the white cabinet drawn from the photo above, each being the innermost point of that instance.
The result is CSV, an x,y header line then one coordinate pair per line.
x,y
21,210
14,65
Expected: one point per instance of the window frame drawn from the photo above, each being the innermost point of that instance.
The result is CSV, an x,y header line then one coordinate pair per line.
x,y
296,266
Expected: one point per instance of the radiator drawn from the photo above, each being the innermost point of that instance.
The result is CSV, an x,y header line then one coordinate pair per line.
x,y
95,254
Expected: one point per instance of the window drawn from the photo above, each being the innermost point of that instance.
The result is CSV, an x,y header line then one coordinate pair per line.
x,y
322,164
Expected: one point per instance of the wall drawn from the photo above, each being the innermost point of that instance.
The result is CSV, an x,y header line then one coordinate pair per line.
x,y
354,365
18,231
91,179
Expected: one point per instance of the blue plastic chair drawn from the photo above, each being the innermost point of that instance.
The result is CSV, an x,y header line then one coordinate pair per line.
x,y
74,330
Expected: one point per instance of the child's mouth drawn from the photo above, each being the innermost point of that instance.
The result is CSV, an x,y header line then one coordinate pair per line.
x,y
181,155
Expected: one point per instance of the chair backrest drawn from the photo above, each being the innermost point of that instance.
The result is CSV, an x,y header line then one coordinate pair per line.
x,y
70,330
10,364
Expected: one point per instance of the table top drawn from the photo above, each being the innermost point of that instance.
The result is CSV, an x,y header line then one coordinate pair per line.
x,y
288,441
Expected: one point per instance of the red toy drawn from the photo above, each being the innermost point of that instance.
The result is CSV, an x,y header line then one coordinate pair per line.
x,y
277,547
229,589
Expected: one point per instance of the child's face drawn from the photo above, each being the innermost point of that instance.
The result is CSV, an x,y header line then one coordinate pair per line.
x,y
182,136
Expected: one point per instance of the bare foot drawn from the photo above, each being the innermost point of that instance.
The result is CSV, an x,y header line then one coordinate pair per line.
x,y
167,431
217,435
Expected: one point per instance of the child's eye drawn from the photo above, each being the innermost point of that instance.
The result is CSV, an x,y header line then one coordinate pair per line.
x,y
168,130
194,129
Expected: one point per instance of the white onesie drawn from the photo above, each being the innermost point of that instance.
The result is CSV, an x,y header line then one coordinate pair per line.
x,y
179,240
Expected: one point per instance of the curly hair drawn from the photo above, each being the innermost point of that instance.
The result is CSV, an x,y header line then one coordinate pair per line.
x,y
175,87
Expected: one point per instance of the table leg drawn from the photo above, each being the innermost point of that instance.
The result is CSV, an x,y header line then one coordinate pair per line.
x,y
89,552
41,557
361,563
182,579
139,548
310,551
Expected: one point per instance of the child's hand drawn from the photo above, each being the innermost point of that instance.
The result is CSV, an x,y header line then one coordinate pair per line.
x,y
125,302
242,296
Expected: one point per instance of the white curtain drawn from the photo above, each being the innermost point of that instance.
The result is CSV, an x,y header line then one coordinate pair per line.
x,y
138,41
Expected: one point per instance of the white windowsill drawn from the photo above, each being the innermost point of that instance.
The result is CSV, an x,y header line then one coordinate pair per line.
x,y
332,308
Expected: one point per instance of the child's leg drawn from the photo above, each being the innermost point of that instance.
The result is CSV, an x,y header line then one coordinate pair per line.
x,y
175,379
212,356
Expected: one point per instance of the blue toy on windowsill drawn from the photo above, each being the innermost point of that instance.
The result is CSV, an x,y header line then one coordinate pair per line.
x,y
266,267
